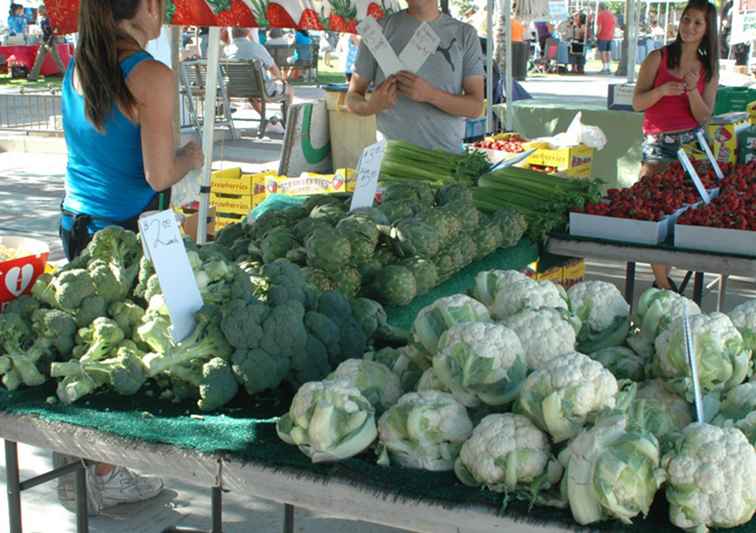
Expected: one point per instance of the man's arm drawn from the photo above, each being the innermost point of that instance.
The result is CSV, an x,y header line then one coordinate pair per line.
x,y
383,97
468,104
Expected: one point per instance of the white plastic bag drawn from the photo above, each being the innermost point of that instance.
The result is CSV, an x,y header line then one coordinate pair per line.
x,y
578,133
186,191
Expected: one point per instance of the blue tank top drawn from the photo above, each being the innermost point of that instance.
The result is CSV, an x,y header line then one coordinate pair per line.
x,y
105,170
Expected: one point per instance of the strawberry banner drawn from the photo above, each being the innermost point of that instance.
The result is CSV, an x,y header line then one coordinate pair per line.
x,y
333,15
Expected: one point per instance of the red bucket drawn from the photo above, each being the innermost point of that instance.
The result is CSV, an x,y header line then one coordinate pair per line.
x,y
17,275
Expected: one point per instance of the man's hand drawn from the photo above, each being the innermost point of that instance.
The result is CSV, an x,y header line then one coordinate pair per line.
x,y
384,96
414,87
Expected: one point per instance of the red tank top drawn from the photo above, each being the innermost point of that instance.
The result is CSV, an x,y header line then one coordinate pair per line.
x,y
671,113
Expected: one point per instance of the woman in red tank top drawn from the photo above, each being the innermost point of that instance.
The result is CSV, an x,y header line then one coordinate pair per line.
x,y
676,89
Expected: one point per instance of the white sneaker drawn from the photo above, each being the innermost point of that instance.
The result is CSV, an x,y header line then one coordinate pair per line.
x,y
124,486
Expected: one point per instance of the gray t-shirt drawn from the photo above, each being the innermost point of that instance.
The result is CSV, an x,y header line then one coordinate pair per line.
x,y
458,57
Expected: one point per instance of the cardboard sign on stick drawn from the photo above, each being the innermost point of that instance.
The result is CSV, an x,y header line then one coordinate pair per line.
x,y
423,44
373,37
161,237
368,172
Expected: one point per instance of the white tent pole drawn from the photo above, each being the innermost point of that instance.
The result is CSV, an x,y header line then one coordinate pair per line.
x,y
489,66
208,129
632,28
506,10
666,24
648,9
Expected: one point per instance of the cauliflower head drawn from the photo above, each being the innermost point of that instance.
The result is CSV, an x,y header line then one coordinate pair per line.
x,y
483,360
424,430
710,478
611,472
657,308
374,380
544,334
722,360
488,283
329,421
569,391
528,294
433,320
744,318
659,410
604,313
507,453
623,362
739,409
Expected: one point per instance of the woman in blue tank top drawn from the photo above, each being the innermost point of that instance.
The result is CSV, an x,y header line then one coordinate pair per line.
x,y
118,111
117,105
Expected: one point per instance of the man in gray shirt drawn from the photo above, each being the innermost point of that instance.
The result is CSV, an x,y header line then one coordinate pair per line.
x,y
427,108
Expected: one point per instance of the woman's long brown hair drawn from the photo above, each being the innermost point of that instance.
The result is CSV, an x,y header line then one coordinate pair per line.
x,y
97,62
708,50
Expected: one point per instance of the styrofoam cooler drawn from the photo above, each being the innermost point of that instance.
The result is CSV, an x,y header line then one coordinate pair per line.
x,y
17,275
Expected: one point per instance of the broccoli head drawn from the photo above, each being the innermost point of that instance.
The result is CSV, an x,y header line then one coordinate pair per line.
x,y
115,244
127,315
214,379
18,360
71,288
91,307
146,270
277,243
155,333
242,323
43,290
374,322
285,282
205,342
57,326
107,279
102,338
257,370
24,306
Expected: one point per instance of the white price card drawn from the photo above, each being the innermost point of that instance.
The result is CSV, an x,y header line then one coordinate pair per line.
x,y
373,37
161,237
368,172
713,160
688,166
423,44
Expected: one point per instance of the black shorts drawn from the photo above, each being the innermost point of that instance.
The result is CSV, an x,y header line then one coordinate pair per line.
x,y
663,147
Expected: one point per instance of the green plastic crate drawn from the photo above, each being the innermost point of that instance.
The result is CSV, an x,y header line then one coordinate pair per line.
x,y
733,99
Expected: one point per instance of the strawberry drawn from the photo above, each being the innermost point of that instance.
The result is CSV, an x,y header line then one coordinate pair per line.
x,y
336,23
352,26
193,13
278,17
238,15
375,11
309,20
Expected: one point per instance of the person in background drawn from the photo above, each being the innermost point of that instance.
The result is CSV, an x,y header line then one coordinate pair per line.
x,y
427,108
202,39
17,23
577,43
117,105
606,23
352,46
46,45
276,37
302,57
242,48
676,90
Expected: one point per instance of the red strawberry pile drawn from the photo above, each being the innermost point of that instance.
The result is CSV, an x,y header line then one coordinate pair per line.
x,y
513,143
655,196
734,208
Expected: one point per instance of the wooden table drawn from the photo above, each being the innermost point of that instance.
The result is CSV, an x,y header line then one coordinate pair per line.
x,y
695,261
332,497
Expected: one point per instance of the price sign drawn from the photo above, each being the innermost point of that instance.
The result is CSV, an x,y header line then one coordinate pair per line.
x,y
165,247
688,166
423,44
714,163
368,172
373,37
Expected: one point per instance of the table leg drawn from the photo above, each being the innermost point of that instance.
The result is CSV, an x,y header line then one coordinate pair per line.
x,y
722,291
216,500
13,486
288,518
630,282
698,287
82,513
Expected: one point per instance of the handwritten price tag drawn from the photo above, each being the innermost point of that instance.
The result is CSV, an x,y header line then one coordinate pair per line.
x,y
688,166
161,237
373,37
368,172
423,44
